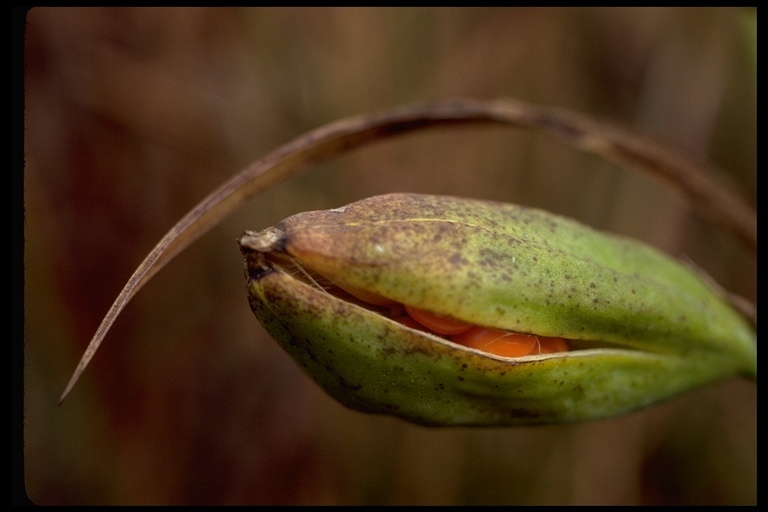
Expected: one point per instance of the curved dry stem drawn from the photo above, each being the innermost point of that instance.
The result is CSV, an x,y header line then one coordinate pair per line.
x,y
710,196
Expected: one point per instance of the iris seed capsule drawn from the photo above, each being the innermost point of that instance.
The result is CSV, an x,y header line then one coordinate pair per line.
x,y
619,325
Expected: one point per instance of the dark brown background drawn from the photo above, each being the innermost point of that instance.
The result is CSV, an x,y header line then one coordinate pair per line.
x,y
133,115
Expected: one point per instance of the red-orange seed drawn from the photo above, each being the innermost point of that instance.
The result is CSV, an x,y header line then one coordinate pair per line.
x,y
437,323
550,345
500,343
410,322
494,341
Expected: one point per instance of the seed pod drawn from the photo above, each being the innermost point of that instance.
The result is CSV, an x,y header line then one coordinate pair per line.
x,y
640,327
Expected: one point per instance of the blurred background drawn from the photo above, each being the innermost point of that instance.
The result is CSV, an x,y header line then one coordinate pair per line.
x,y
132,115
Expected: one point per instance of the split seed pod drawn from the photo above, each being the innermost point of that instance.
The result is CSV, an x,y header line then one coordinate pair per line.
x,y
640,327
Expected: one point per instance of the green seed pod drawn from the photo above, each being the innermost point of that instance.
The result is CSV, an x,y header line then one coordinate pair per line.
x,y
639,326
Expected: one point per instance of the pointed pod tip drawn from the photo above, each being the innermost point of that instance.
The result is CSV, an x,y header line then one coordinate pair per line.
x,y
267,240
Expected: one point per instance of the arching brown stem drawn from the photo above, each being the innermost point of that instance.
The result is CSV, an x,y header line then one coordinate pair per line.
x,y
711,197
